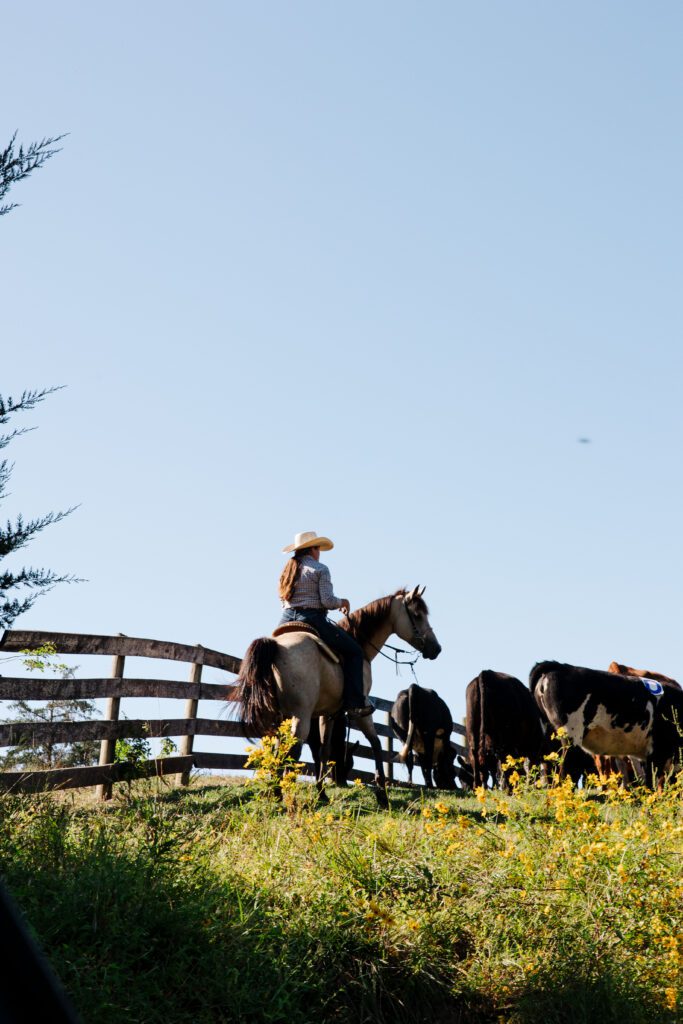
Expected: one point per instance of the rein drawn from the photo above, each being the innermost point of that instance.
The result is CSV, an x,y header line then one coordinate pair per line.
x,y
398,650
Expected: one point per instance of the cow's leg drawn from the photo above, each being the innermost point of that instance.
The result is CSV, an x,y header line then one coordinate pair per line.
x,y
651,772
656,770
409,765
427,758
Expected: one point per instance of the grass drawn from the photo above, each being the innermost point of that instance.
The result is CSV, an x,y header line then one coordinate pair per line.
x,y
213,904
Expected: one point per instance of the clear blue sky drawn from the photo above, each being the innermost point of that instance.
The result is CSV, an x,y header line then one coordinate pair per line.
x,y
365,269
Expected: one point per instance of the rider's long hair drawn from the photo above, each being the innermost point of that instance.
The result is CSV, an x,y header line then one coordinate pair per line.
x,y
289,575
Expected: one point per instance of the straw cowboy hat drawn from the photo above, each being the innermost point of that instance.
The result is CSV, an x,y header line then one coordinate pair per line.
x,y
309,540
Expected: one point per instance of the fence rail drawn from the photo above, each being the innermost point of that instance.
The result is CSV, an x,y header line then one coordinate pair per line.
x,y
112,727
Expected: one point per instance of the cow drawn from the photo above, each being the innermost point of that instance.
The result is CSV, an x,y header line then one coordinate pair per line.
x,y
625,670
463,772
423,723
616,715
502,720
576,764
630,769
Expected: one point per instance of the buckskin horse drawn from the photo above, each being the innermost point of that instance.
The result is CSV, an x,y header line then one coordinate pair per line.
x,y
293,676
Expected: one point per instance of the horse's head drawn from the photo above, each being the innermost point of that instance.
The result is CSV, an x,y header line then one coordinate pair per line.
x,y
410,621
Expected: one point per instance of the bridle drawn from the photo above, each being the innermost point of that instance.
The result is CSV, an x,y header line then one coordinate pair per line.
x,y
418,640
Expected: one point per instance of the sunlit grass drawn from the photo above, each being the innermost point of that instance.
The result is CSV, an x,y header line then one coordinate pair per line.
x,y
547,904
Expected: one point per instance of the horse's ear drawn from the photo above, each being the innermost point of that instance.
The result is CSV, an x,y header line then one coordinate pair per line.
x,y
422,590
412,595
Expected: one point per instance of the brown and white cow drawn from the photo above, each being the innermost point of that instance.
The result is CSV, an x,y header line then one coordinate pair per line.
x,y
642,673
616,715
630,768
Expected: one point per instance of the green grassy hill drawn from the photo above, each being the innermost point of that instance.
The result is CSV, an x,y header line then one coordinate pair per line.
x,y
214,904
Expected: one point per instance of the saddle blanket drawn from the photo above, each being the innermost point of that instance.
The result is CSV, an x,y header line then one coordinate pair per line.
x,y
304,627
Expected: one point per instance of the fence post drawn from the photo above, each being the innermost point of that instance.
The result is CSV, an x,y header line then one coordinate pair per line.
x,y
111,714
187,741
390,751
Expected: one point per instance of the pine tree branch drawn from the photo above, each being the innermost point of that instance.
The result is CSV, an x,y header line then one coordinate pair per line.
x,y
28,400
34,579
5,473
6,438
16,536
11,610
17,164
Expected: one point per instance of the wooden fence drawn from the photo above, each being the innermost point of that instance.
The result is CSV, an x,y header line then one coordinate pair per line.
x,y
111,728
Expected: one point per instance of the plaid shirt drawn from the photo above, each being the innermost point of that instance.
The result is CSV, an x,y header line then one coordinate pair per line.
x,y
313,589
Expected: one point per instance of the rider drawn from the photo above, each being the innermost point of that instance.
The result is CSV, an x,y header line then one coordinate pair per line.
x,y
307,594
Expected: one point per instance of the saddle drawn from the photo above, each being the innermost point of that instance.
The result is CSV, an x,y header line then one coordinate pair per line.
x,y
304,627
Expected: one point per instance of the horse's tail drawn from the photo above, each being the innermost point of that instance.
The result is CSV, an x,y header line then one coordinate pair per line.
x,y
256,690
407,746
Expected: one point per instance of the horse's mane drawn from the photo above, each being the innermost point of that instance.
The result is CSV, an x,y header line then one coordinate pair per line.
x,y
363,622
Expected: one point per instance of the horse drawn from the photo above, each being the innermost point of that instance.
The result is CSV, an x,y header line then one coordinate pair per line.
x,y
291,676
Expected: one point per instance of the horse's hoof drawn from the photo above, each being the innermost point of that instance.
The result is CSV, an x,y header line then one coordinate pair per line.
x,y
323,798
382,799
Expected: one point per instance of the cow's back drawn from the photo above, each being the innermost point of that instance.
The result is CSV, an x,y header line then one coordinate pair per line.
x,y
606,713
502,717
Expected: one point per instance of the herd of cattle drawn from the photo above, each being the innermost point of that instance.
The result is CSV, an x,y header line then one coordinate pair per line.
x,y
624,720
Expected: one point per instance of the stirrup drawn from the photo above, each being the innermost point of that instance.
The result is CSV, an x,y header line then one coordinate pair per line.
x,y
362,712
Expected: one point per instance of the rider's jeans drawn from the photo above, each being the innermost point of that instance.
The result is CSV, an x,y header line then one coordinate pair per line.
x,y
341,642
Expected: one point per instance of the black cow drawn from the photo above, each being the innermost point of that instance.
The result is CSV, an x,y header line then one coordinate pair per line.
x,y
423,723
612,714
463,772
502,720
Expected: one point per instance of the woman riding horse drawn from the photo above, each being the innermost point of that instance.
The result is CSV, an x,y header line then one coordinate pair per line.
x,y
289,676
307,594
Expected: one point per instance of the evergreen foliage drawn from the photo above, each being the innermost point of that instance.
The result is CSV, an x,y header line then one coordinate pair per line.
x,y
41,756
16,535
18,163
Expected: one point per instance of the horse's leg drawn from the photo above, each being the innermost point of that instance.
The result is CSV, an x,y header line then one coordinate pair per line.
x,y
300,729
301,726
367,727
326,728
314,744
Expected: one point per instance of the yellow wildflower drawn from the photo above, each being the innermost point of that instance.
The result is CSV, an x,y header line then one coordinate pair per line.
x,y
670,998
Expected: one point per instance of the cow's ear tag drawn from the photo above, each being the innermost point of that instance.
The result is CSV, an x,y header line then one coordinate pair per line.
x,y
655,687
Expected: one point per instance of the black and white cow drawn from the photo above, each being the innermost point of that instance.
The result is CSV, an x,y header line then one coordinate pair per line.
x,y
423,723
613,714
